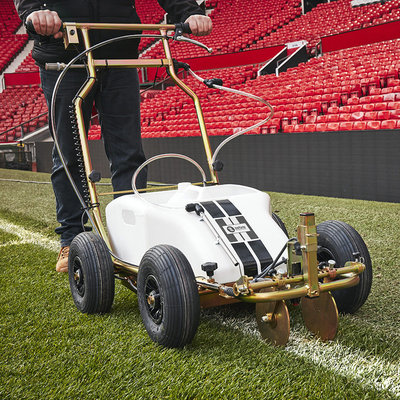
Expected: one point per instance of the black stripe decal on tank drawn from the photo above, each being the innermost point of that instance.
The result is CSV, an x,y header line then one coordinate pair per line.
x,y
240,234
249,263
229,207
261,251
213,209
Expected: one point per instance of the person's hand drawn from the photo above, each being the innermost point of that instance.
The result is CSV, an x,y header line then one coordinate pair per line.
x,y
46,23
200,25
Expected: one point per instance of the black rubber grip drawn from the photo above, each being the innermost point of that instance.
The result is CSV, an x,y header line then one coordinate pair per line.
x,y
186,28
29,27
183,28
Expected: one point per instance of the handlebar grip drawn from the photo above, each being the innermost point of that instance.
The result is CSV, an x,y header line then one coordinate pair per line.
x,y
186,28
29,27
182,27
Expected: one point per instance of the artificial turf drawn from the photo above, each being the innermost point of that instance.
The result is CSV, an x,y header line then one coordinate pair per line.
x,y
51,351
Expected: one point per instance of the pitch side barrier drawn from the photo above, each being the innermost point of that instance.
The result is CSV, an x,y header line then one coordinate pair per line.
x,y
360,165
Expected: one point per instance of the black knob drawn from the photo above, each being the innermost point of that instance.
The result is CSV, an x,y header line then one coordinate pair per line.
x,y
95,176
194,207
218,165
209,268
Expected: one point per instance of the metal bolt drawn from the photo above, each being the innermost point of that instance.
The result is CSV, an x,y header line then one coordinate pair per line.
x,y
267,318
151,300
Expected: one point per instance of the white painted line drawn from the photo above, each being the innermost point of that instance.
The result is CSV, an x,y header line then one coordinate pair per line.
x,y
354,364
28,237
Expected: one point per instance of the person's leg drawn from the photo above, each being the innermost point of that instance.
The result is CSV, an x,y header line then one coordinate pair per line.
x,y
118,103
69,209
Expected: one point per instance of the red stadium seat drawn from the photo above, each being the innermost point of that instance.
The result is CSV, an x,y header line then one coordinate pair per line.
x,y
311,119
373,125
353,101
380,106
356,108
310,127
332,118
344,117
394,114
357,116
333,110
288,129
388,124
368,107
345,109
284,122
359,125
370,115
299,128
333,126
383,115
346,126
365,100
321,127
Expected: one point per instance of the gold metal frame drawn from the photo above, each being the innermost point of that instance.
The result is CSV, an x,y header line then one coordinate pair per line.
x,y
310,283
71,37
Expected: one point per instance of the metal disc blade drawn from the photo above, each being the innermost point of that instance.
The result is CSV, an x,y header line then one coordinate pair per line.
x,y
277,330
320,315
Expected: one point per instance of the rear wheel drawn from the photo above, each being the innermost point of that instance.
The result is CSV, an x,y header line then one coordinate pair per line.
x,y
168,297
339,241
91,274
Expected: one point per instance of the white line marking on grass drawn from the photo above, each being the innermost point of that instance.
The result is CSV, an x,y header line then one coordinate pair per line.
x,y
27,236
352,363
372,372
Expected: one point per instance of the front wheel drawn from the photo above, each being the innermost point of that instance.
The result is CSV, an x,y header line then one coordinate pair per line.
x,y
339,241
168,298
91,274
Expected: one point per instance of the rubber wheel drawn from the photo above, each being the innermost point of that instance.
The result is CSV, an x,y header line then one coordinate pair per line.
x,y
338,241
91,274
280,223
168,298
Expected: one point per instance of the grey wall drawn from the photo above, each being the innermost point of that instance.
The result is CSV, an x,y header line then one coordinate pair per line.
x,y
361,165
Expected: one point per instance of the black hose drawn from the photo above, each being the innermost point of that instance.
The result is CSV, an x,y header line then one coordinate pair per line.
x,y
274,264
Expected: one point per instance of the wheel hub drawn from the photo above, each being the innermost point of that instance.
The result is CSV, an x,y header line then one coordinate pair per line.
x,y
153,299
78,277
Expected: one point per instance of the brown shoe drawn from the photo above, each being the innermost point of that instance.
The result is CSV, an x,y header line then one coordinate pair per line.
x,y
62,260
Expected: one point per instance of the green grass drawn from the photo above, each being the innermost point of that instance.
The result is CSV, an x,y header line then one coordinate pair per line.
x,y
51,351
7,237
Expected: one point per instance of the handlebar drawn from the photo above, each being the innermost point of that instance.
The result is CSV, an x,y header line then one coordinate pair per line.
x,y
179,28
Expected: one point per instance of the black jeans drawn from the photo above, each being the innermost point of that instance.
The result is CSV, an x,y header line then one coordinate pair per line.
x,y
117,100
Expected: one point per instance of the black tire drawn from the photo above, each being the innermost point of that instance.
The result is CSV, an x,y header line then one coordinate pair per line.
x,y
280,223
91,274
168,298
338,241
